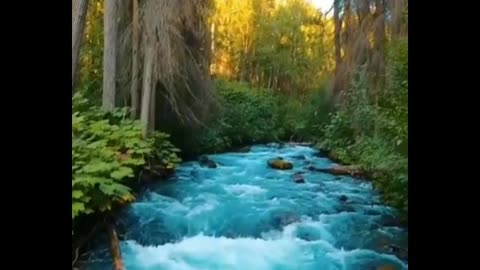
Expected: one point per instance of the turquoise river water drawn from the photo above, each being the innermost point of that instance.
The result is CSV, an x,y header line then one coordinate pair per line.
x,y
244,215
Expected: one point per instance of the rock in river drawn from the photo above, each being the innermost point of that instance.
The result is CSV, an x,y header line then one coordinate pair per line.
x,y
298,178
280,164
206,162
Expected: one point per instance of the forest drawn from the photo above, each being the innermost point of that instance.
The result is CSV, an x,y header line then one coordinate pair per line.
x,y
157,84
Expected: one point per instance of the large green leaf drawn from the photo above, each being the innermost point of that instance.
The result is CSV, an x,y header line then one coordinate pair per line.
x,y
121,173
77,194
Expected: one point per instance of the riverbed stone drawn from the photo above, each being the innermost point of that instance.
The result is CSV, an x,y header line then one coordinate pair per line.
x,y
298,178
280,164
206,162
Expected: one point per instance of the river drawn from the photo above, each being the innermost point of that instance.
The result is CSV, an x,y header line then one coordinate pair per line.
x,y
243,215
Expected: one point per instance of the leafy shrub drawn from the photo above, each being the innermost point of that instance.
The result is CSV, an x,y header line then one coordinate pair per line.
x,y
374,133
248,115
107,151
301,118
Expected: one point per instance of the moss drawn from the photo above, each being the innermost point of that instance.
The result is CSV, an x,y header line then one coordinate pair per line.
x,y
280,164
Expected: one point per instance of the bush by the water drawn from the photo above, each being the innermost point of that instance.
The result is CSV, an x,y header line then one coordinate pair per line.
x,y
107,151
246,115
374,132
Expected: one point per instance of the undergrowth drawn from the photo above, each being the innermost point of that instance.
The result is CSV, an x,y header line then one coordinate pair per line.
x,y
108,151
374,132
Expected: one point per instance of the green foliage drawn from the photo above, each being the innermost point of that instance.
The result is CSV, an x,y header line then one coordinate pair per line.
x,y
107,151
302,118
282,46
248,115
373,132
91,54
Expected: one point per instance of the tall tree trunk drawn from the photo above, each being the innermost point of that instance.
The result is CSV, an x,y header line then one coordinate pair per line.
x,y
338,30
79,14
347,18
396,9
362,51
147,87
134,91
379,45
379,53
109,54
153,100
337,83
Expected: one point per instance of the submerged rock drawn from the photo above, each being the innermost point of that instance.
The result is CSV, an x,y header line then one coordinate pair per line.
x,y
298,178
300,157
343,198
206,162
390,221
280,164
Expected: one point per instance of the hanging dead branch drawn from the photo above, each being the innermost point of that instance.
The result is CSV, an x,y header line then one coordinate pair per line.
x,y
176,31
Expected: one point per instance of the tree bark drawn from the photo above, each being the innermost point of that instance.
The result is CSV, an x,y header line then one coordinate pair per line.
x,y
109,54
147,88
396,8
351,170
379,45
338,30
115,249
79,15
151,125
134,91
347,17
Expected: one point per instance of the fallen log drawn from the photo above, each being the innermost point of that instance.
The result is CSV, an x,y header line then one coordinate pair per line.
x,y
115,248
301,143
350,170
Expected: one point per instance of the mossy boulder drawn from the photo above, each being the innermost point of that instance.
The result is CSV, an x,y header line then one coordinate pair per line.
x,y
280,164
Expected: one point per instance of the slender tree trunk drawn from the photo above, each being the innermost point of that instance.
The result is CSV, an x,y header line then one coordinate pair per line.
x,y
396,8
364,19
338,30
212,31
379,45
347,18
379,51
79,15
147,88
337,83
152,118
109,54
134,91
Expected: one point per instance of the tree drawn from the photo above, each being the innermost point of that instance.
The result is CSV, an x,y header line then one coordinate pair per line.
x,y
338,30
379,45
110,54
147,86
134,91
79,14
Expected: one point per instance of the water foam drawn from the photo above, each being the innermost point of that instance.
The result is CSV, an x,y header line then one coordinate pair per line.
x,y
243,215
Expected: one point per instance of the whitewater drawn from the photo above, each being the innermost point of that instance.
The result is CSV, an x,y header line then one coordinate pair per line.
x,y
244,215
